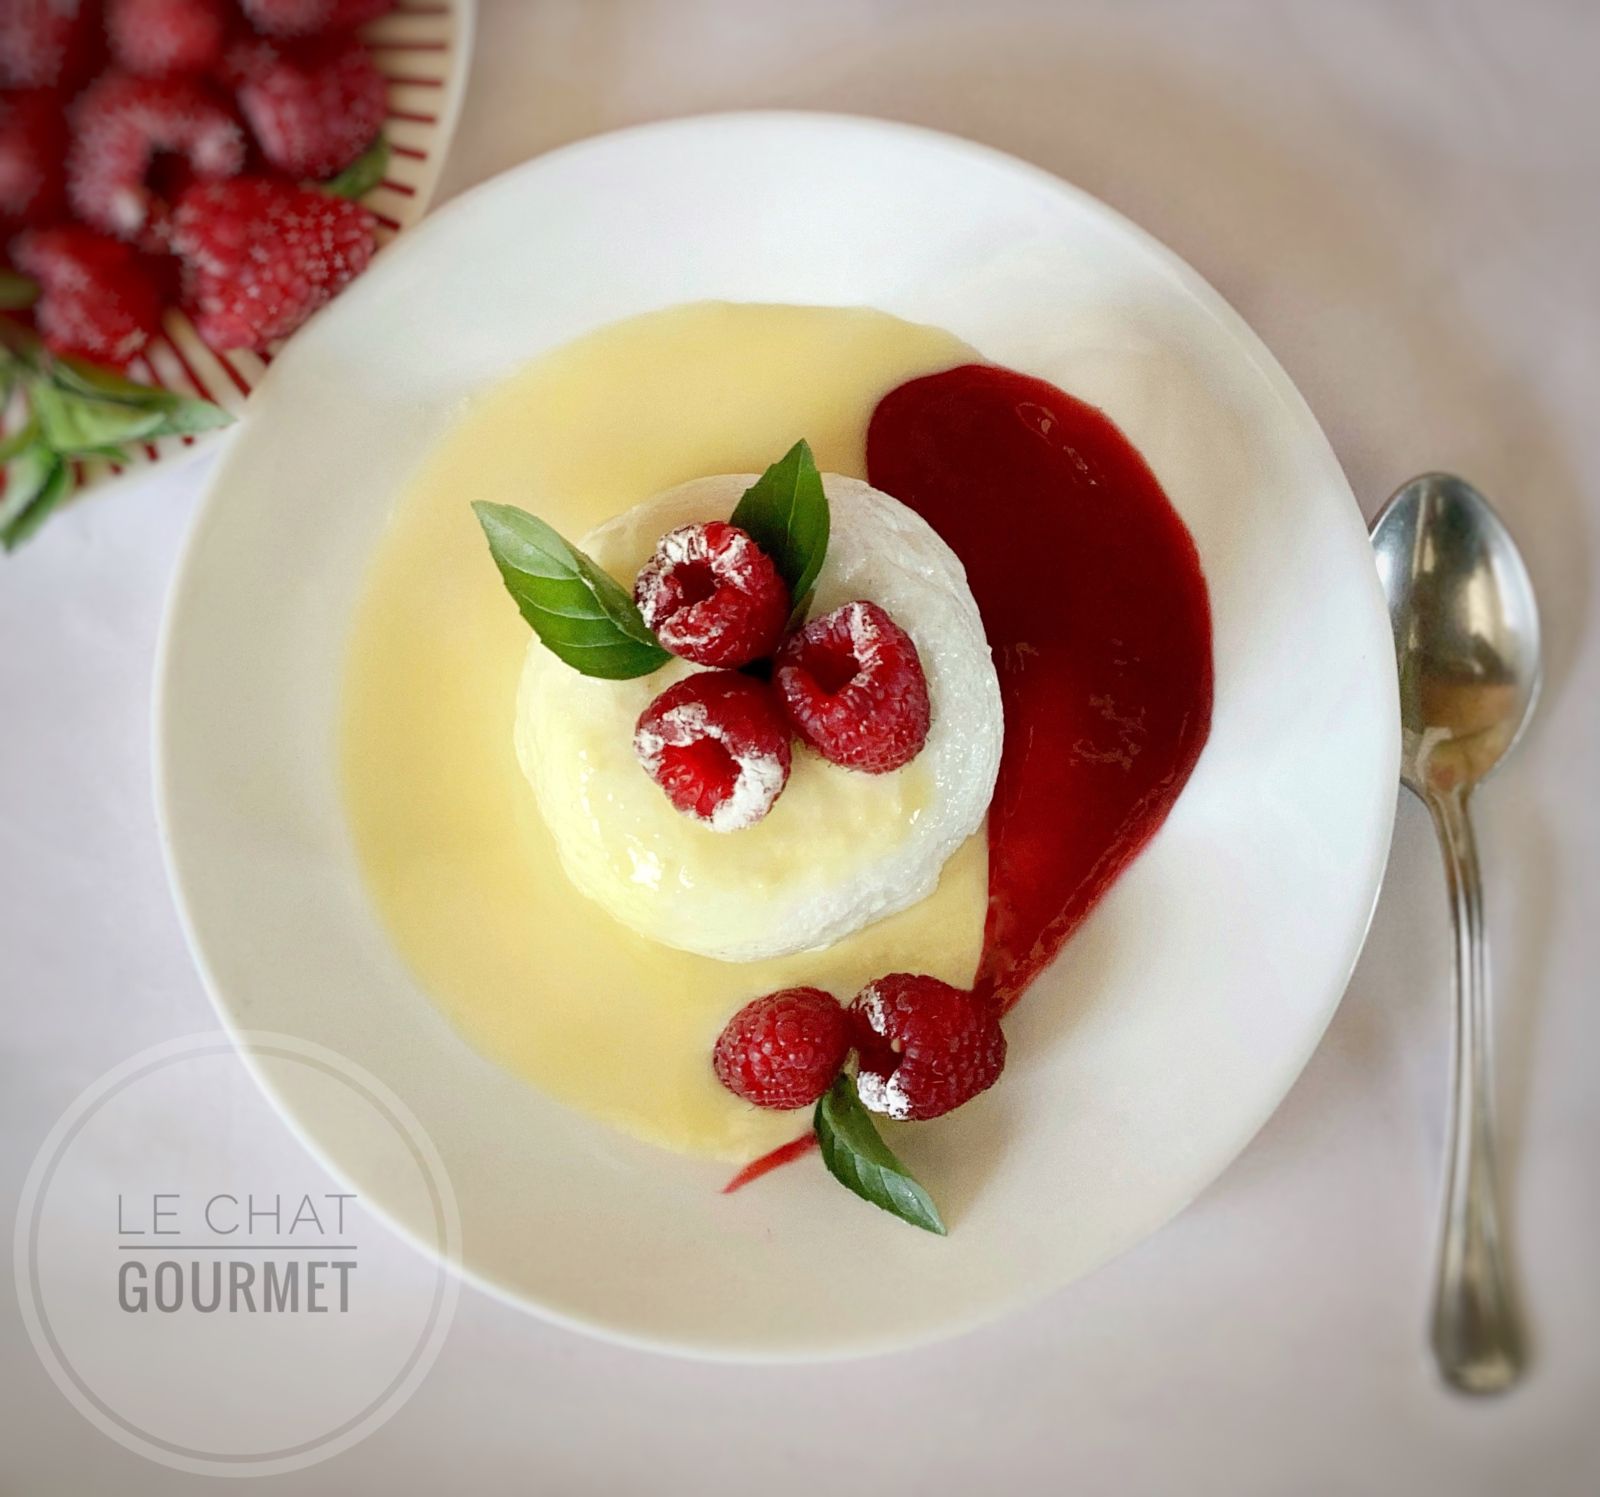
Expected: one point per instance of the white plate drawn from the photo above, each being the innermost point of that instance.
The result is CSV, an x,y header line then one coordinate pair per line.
x,y
1177,1017
422,48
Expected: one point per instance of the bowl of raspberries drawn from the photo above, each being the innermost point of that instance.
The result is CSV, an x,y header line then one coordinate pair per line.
x,y
182,184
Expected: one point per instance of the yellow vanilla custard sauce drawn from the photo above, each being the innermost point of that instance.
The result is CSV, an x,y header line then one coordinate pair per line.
x,y
461,864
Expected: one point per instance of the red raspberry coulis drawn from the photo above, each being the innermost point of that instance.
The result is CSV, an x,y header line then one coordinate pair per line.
x,y
1093,599
1091,592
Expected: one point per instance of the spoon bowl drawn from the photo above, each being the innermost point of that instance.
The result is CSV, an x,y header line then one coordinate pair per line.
x,y
1466,631
1466,638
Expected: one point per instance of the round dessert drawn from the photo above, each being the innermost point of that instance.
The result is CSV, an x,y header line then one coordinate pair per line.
x,y
839,848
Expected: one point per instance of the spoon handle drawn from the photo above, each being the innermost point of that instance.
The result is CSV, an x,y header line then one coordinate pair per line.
x,y
1475,1335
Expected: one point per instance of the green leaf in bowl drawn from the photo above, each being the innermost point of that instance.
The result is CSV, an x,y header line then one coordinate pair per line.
x,y
37,480
785,512
861,1161
74,423
363,174
580,612
19,440
99,383
16,291
181,415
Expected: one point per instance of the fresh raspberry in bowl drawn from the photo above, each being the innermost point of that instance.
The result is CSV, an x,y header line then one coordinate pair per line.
x,y
163,38
260,256
854,688
717,744
924,1047
312,106
97,296
713,596
33,152
311,17
48,43
783,1051
123,127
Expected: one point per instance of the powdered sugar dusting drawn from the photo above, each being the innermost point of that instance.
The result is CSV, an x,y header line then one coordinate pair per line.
x,y
880,1094
866,638
654,591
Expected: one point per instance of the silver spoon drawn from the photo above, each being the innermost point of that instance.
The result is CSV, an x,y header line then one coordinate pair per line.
x,y
1466,634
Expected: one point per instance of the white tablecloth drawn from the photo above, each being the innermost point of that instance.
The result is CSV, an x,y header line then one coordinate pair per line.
x,y
1404,199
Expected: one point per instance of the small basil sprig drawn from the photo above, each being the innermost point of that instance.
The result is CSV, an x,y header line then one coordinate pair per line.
x,y
785,512
581,613
861,1161
16,291
75,410
37,480
363,174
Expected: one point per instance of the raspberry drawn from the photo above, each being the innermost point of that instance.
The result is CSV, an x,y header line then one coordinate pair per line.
x,y
33,149
160,38
47,43
719,747
97,297
122,125
259,256
854,689
713,596
313,107
924,1046
783,1050
311,17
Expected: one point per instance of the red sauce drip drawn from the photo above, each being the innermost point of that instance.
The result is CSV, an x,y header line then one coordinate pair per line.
x,y
783,1154
1091,591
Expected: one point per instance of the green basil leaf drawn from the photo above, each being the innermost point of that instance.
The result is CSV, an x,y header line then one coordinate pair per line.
x,y
23,437
73,423
785,511
20,343
861,1161
363,174
37,480
16,291
83,378
181,414
28,469
184,416
582,614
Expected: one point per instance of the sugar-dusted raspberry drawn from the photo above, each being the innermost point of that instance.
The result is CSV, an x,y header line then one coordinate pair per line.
x,y
924,1046
713,596
260,256
123,127
162,38
312,17
718,745
784,1050
48,43
33,151
97,296
854,689
313,106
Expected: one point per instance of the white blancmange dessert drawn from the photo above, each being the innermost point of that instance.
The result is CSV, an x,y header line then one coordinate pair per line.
x,y
840,848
